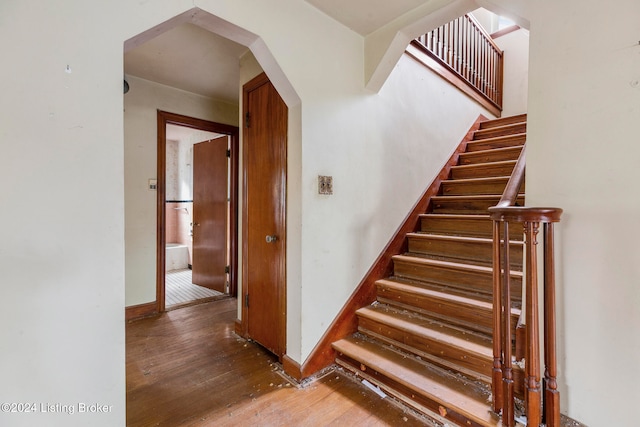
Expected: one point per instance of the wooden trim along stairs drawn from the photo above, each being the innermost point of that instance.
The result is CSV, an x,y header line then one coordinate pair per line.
x,y
427,337
346,322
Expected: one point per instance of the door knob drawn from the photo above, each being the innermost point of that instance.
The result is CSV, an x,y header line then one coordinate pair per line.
x,y
271,239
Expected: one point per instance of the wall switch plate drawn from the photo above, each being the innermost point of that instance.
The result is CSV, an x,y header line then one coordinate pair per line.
x,y
153,184
325,184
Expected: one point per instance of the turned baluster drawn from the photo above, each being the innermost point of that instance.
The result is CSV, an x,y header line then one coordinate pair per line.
x,y
532,358
551,394
508,415
496,386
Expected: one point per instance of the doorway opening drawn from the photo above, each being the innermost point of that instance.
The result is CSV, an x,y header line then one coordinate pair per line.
x,y
191,64
197,209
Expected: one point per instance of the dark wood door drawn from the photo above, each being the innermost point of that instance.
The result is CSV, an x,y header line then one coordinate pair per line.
x,y
265,155
210,213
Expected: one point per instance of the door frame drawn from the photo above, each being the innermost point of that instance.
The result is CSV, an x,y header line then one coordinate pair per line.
x,y
165,118
251,85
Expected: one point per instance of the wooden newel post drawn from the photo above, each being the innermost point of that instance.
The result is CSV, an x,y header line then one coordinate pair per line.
x,y
538,404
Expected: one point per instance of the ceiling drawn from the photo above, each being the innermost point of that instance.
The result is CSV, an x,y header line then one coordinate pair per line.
x,y
190,58
365,16
193,59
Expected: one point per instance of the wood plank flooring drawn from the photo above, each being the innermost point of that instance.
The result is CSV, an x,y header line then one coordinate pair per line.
x,y
188,368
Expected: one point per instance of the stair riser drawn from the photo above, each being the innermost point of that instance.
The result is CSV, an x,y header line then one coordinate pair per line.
x,y
473,362
500,131
471,227
466,206
474,317
471,280
503,121
499,142
476,252
403,393
461,188
489,156
488,170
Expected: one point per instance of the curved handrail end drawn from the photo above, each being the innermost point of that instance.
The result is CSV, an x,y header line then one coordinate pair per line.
x,y
525,214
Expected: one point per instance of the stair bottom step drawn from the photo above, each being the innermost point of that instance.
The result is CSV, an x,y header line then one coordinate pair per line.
x,y
418,384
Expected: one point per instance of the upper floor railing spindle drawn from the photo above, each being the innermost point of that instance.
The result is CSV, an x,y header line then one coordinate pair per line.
x,y
465,48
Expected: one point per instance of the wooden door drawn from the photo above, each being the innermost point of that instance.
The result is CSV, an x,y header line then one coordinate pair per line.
x,y
265,165
210,213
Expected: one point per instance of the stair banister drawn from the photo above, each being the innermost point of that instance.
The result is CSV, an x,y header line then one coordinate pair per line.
x,y
515,182
539,406
508,198
462,48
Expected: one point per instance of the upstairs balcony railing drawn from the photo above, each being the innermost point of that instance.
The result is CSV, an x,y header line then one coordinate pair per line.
x,y
465,50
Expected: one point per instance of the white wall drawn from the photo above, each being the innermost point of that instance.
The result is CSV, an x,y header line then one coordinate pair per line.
x,y
62,261
62,109
383,150
584,112
516,71
179,170
140,145
487,19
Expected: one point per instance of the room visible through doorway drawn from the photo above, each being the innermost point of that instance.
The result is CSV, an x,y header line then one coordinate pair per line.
x,y
197,211
180,288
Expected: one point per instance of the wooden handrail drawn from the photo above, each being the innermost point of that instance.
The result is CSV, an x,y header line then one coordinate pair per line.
x,y
467,50
540,407
515,182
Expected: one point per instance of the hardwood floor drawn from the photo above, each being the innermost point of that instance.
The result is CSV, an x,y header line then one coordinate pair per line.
x,y
188,368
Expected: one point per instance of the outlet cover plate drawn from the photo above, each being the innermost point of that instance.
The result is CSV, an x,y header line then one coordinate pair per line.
x,y
325,184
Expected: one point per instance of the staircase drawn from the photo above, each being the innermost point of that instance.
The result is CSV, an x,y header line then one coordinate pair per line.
x,y
427,339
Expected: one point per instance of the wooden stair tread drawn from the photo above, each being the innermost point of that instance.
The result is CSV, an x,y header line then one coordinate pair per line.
x,y
477,185
430,329
480,217
492,151
450,272
518,118
496,141
508,129
448,264
471,197
438,341
481,165
424,235
443,294
447,390
467,203
483,170
466,249
503,126
477,180
433,289
462,224
460,307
